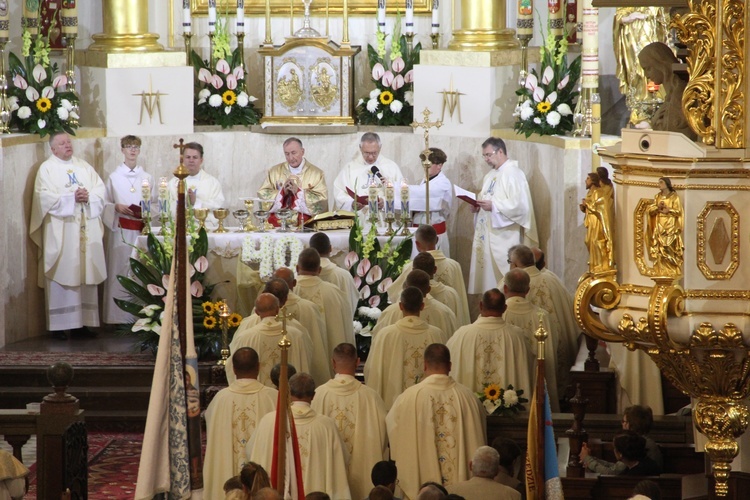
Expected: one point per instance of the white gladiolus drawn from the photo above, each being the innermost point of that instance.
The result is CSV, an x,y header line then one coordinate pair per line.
x,y
62,113
396,106
553,118
564,109
24,112
214,101
372,105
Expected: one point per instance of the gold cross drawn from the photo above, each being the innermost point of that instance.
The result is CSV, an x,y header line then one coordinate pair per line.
x,y
149,101
181,171
282,316
451,101
426,124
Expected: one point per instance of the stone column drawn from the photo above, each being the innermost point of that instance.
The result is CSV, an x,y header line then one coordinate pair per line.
x,y
125,28
483,27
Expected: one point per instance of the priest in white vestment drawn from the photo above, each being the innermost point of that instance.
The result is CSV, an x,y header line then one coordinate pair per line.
x,y
304,316
264,338
359,414
203,189
441,199
295,184
435,427
125,189
332,273
448,272
528,317
395,361
66,225
322,450
333,303
357,175
548,292
490,351
434,313
231,419
505,217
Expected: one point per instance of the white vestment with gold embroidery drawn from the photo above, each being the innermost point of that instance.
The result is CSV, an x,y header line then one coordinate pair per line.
x,y
231,419
359,414
333,305
434,313
340,277
396,359
434,429
490,351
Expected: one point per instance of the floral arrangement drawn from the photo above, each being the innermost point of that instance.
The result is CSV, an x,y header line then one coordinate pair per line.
x,y
212,320
39,98
221,98
391,102
271,255
546,102
148,290
374,269
503,402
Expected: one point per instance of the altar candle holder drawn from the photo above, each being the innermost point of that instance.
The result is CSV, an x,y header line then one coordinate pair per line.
x,y
409,41
188,47
211,50
435,40
405,212
70,73
224,314
241,47
372,203
5,111
146,206
163,203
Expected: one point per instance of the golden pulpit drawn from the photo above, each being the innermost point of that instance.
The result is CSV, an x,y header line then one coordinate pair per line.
x,y
309,80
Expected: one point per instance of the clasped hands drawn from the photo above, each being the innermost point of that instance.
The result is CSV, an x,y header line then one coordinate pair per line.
x,y
82,195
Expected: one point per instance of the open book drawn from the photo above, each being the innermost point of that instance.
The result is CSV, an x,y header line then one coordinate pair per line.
x,y
466,196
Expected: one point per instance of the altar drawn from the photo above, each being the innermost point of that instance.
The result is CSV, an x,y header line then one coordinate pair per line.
x,y
238,283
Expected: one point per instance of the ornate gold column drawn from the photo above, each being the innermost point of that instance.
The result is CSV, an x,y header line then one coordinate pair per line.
x,y
483,27
125,28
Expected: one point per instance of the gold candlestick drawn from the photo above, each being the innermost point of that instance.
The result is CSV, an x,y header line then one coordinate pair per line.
x,y
5,112
224,314
435,40
211,50
409,41
241,47
389,218
188,47
70,73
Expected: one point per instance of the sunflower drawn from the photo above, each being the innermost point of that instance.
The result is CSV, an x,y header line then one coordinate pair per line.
x,y
229,97
234,320
209,308
492,392
543,107
43,104
386,97
209,322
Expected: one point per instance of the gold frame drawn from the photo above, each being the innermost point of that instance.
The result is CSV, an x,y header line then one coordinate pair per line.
x,y
734,233
281,7
640,237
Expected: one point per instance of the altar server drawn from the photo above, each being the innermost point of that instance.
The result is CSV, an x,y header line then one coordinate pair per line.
x,y
66,225
441,198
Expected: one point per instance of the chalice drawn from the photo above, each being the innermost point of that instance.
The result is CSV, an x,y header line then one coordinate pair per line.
x,y
249,206
241,215
201,214
221,214
284,215
262,216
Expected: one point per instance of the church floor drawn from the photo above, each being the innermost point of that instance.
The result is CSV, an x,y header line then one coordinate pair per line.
x,y
106,341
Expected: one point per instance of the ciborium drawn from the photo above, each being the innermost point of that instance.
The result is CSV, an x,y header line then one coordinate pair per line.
x,y
221,214
664,275
201,214
249,206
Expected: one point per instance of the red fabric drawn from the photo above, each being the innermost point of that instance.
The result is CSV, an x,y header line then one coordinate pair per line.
x,y
295,452
274,221
440,228
133,224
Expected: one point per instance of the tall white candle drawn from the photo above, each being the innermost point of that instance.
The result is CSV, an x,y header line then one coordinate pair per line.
x,y
240,16
590,48
381,15
187,22
211,16
404,198
435,16
410,16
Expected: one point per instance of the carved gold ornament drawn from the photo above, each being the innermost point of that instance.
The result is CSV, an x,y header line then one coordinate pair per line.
x,y
718,242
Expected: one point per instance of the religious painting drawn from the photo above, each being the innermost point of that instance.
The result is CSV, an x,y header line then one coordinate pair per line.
x,y
288,84
323,88
319,7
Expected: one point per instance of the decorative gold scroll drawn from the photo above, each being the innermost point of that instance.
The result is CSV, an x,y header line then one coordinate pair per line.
x,y
281,7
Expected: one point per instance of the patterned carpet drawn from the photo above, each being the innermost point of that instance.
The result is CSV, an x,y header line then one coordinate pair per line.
x,y
91,358
113,466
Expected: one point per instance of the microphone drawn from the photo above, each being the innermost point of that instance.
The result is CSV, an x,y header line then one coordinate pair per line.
x,y
376,172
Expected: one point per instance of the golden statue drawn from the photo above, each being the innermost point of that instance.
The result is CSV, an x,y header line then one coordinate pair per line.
x,y
323,94
289,90
633,29
598,207
664,231
657,60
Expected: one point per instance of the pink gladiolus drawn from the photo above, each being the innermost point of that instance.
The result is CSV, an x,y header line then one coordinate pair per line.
x,y
374,275
239,73
351,259
409,77
217,82
223,67
20,82
377,71
204,75
387,79
231,82
196,289
398,82
201,264
384,285
364,293
155,290
60,81
374,301
39,73
363,268
398,64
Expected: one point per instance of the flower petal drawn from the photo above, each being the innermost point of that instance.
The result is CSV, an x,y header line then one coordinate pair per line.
x,y
60,81
204,75
357,282
20,82
201,264
351,259
222,66
384,285
239,72
539,94
552,98
196,289
231,82
375,274
531,82
165,280
377,71
363,267
548,75
32,94
374,301
48,92
387,79
364,293
155,290
409,76
398,82
563,82
40,74
217,82
398,64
